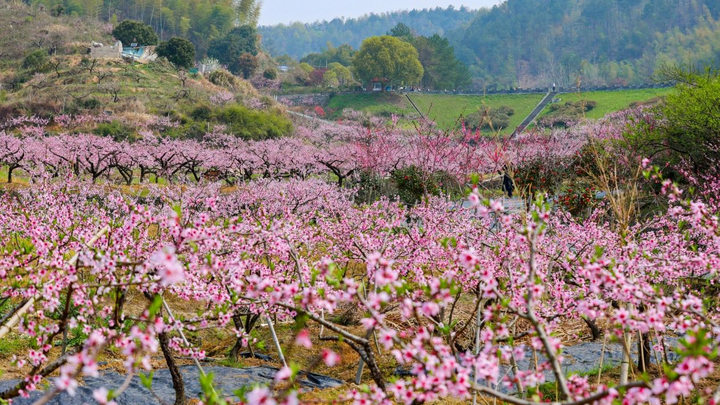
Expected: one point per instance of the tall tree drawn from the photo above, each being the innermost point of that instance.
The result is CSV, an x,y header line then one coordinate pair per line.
x,y
130,31
342,55
248,12
237,42
388,58
344,75
401,31
442,68
245,65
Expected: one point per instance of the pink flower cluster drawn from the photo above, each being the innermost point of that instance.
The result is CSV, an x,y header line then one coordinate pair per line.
x,y
455,296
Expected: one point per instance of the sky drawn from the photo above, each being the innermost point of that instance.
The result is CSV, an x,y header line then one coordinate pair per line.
x,y
286,11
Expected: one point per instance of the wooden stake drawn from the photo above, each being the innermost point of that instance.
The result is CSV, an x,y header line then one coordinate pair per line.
x,y
275,339
602,357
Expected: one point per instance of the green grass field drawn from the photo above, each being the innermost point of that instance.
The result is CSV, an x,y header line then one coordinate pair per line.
x,y
446,109
380,104
612,101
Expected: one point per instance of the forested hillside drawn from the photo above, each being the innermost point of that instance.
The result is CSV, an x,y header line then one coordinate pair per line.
x,y
533,43
200,21
298,39
536,42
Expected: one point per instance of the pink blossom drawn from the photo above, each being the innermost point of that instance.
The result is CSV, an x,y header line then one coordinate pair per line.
x,y
330,358
303,339
170,269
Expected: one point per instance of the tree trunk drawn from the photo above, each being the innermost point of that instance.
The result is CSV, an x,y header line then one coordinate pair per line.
x,y
594,329
235,351
119,304
373,367
644,352
626,360
177,378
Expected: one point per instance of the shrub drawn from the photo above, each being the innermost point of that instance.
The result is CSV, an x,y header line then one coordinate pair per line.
x,y
14,82
371,187
225,79
43,109
179,51
691,128
210,65
319,111
88,104
568,114
245,65
254,124
492,118
538,176
506,110
115,130
201,113
189,130
578,197
37,61
573,109
412,184
270,74
305,67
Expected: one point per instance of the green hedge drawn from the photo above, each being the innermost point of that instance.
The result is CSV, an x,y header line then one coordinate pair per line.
x,y
254,124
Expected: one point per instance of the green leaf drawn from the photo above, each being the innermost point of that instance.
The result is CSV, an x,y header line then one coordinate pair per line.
x,y
155,306
146,380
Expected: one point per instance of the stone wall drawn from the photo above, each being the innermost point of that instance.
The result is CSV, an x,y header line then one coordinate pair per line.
x,y
304,99
106,52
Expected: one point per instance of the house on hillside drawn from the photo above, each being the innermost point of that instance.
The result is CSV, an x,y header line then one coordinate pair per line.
x,y
141,54
378,84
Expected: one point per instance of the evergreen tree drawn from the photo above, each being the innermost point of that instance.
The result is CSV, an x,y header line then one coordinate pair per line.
x,y
180,52
239,41
130,31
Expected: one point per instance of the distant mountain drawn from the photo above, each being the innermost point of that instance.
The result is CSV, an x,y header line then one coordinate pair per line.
x,y
298,39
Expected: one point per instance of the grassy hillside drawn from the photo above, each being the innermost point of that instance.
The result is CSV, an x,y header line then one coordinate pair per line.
x,y
83,84
46,70
382,105
447,109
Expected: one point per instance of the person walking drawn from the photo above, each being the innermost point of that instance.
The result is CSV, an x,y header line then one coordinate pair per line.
x,y
553,87
508,185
